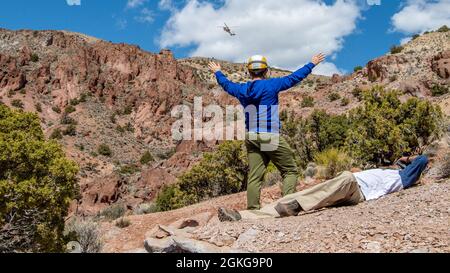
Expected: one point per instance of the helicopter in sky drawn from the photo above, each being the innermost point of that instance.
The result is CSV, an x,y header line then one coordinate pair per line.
x,y
228,30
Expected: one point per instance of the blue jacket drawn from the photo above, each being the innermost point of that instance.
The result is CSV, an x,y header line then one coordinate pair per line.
x,y
262,95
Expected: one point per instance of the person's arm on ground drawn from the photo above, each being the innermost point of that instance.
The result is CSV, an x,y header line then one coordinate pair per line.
x,y
412,173
229,86
408,159
290,81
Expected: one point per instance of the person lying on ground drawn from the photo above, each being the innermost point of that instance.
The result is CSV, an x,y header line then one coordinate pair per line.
x,y
346,189
259,97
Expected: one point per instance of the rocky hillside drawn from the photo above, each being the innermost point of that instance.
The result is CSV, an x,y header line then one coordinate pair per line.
x,y
109,104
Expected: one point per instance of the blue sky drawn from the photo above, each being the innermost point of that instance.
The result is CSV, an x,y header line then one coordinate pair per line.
x,y
191,29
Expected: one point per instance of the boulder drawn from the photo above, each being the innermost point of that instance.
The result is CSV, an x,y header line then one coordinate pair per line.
x,y
379,69
413,88
180,244
336,78
165,245
158,233
441,64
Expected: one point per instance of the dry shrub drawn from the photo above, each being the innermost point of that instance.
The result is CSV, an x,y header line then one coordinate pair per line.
x,y
333,162
87,234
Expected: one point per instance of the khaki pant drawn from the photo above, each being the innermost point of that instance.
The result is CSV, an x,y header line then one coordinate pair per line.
x,y
342,190
263,148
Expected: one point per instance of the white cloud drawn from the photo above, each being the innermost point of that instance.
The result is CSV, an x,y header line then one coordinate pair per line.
x,y
121,23
135,3
418,16
405,40
166,5
288,33
328,69
73,2
146,16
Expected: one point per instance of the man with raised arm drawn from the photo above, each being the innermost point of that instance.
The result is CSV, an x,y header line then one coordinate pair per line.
x,y
259,97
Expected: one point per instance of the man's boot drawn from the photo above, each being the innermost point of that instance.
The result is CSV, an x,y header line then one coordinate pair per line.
x,y
289,208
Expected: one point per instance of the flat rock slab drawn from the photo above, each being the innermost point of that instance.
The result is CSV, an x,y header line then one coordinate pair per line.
x,y
179,244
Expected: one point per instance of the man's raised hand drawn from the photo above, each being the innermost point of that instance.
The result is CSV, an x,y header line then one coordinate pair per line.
x,y
215,67
317,59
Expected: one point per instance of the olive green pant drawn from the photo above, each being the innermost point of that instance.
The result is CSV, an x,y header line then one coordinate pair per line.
x,y
263,148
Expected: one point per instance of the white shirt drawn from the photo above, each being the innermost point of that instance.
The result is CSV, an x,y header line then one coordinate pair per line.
x,y
378,182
